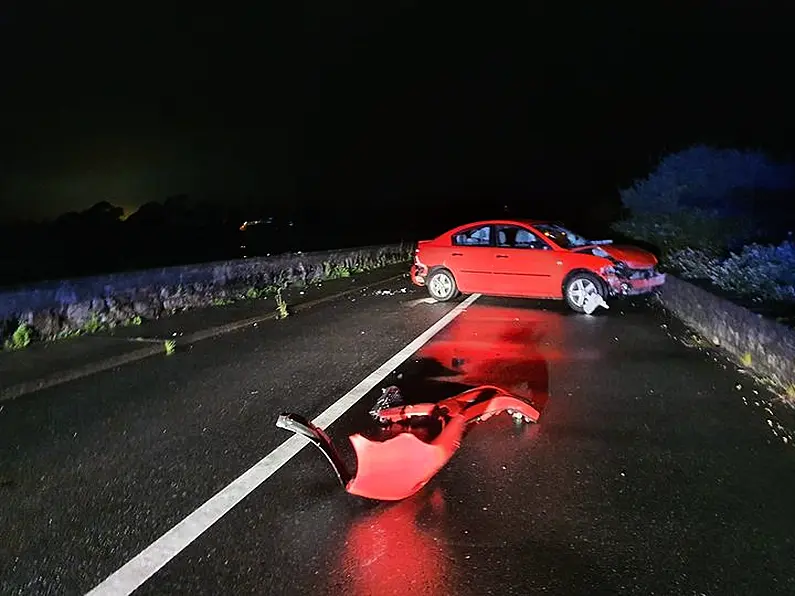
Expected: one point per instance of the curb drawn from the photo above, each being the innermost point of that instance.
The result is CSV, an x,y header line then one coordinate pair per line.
x,y
767,346
79,372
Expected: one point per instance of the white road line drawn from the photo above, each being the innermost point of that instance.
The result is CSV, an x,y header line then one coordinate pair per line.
x,y
145,564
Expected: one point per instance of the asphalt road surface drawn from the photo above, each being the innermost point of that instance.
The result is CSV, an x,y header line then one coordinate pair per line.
x,y
649,472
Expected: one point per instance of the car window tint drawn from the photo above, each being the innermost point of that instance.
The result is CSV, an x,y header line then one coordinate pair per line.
x,y
480,236
516,237
561,236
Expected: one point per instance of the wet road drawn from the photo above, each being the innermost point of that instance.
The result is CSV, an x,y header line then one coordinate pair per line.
x,y
649,471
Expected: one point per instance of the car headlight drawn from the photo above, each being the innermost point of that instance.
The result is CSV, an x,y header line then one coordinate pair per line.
x,y
622,269
617,268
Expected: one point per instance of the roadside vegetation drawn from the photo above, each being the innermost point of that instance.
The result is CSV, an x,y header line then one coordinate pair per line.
x,y
721,218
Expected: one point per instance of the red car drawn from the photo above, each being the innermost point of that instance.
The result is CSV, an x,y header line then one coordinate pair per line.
x,y
531,259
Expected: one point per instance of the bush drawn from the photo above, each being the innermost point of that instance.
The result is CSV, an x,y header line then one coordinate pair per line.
x,y
702,198
693,263
760,272
694,228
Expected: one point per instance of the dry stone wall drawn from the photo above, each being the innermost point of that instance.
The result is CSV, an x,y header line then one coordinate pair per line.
x,y
767,347
59,308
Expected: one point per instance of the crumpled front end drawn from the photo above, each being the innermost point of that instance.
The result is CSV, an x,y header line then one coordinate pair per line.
x,y
626,281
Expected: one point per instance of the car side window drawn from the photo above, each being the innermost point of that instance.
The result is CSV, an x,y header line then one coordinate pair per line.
x,y
480,236
516,237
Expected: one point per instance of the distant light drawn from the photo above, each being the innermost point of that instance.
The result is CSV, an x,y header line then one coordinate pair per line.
x,y
249,223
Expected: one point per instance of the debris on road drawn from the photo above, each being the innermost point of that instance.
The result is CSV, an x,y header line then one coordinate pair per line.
x,y
398,467
389,292
592,302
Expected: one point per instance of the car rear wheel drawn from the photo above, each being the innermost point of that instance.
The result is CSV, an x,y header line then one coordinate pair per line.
x,y
579,287
441,285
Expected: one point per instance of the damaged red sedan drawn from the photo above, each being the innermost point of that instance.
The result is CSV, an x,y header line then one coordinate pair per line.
x,y
532,259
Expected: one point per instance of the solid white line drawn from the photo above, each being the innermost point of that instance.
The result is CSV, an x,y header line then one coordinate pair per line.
x,y
145,564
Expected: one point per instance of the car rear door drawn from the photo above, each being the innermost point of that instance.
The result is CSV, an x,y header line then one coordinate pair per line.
x,y
526,265
472,259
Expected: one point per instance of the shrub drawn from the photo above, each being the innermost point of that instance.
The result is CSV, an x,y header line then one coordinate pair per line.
x,y
693,228
20,338
701,198
760,272
693,263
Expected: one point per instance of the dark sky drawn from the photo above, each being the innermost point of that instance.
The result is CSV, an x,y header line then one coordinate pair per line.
x,y
336,103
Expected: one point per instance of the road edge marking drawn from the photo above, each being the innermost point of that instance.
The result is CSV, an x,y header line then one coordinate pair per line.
x,y
130,576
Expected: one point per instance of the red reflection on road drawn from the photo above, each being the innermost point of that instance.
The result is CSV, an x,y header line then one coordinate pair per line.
x,y
387,552
507,347
400,548
497,351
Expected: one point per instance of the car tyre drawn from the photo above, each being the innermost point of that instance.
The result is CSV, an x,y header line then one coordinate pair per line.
x,y
441,285
578,286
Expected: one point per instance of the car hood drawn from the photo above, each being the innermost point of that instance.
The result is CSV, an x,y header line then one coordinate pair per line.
x,y
634,257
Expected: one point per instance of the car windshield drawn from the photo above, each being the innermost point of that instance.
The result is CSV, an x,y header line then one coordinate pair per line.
x,y
561,236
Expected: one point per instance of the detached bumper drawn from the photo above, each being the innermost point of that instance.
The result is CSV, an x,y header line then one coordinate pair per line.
x,y
418,275
622,286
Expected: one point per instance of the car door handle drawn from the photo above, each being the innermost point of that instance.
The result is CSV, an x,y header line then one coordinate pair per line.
x,y
458,254
502,256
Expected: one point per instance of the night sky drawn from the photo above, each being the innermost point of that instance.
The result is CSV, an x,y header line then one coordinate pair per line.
x,y
312,104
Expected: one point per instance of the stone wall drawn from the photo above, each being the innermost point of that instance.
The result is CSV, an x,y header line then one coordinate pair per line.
x,y
58,308
765,346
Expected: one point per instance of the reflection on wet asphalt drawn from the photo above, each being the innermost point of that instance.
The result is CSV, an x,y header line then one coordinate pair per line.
x,y
506,347
646,474
612,492
437,542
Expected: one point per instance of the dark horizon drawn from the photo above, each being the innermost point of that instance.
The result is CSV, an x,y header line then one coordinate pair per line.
x,y
351,112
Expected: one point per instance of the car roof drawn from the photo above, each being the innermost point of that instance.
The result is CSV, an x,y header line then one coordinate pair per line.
x,y
485,222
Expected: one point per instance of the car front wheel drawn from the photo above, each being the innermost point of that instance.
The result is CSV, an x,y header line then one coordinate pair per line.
x,y
580,289
441,285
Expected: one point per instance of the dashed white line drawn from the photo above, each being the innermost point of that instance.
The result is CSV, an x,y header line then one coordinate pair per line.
x,y
145,564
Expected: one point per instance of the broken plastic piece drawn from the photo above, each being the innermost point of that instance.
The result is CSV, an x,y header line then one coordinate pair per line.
x,y
400,466
592,302
390,397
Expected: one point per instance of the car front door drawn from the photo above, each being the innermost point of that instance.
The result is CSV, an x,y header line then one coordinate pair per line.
x,y
525,264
